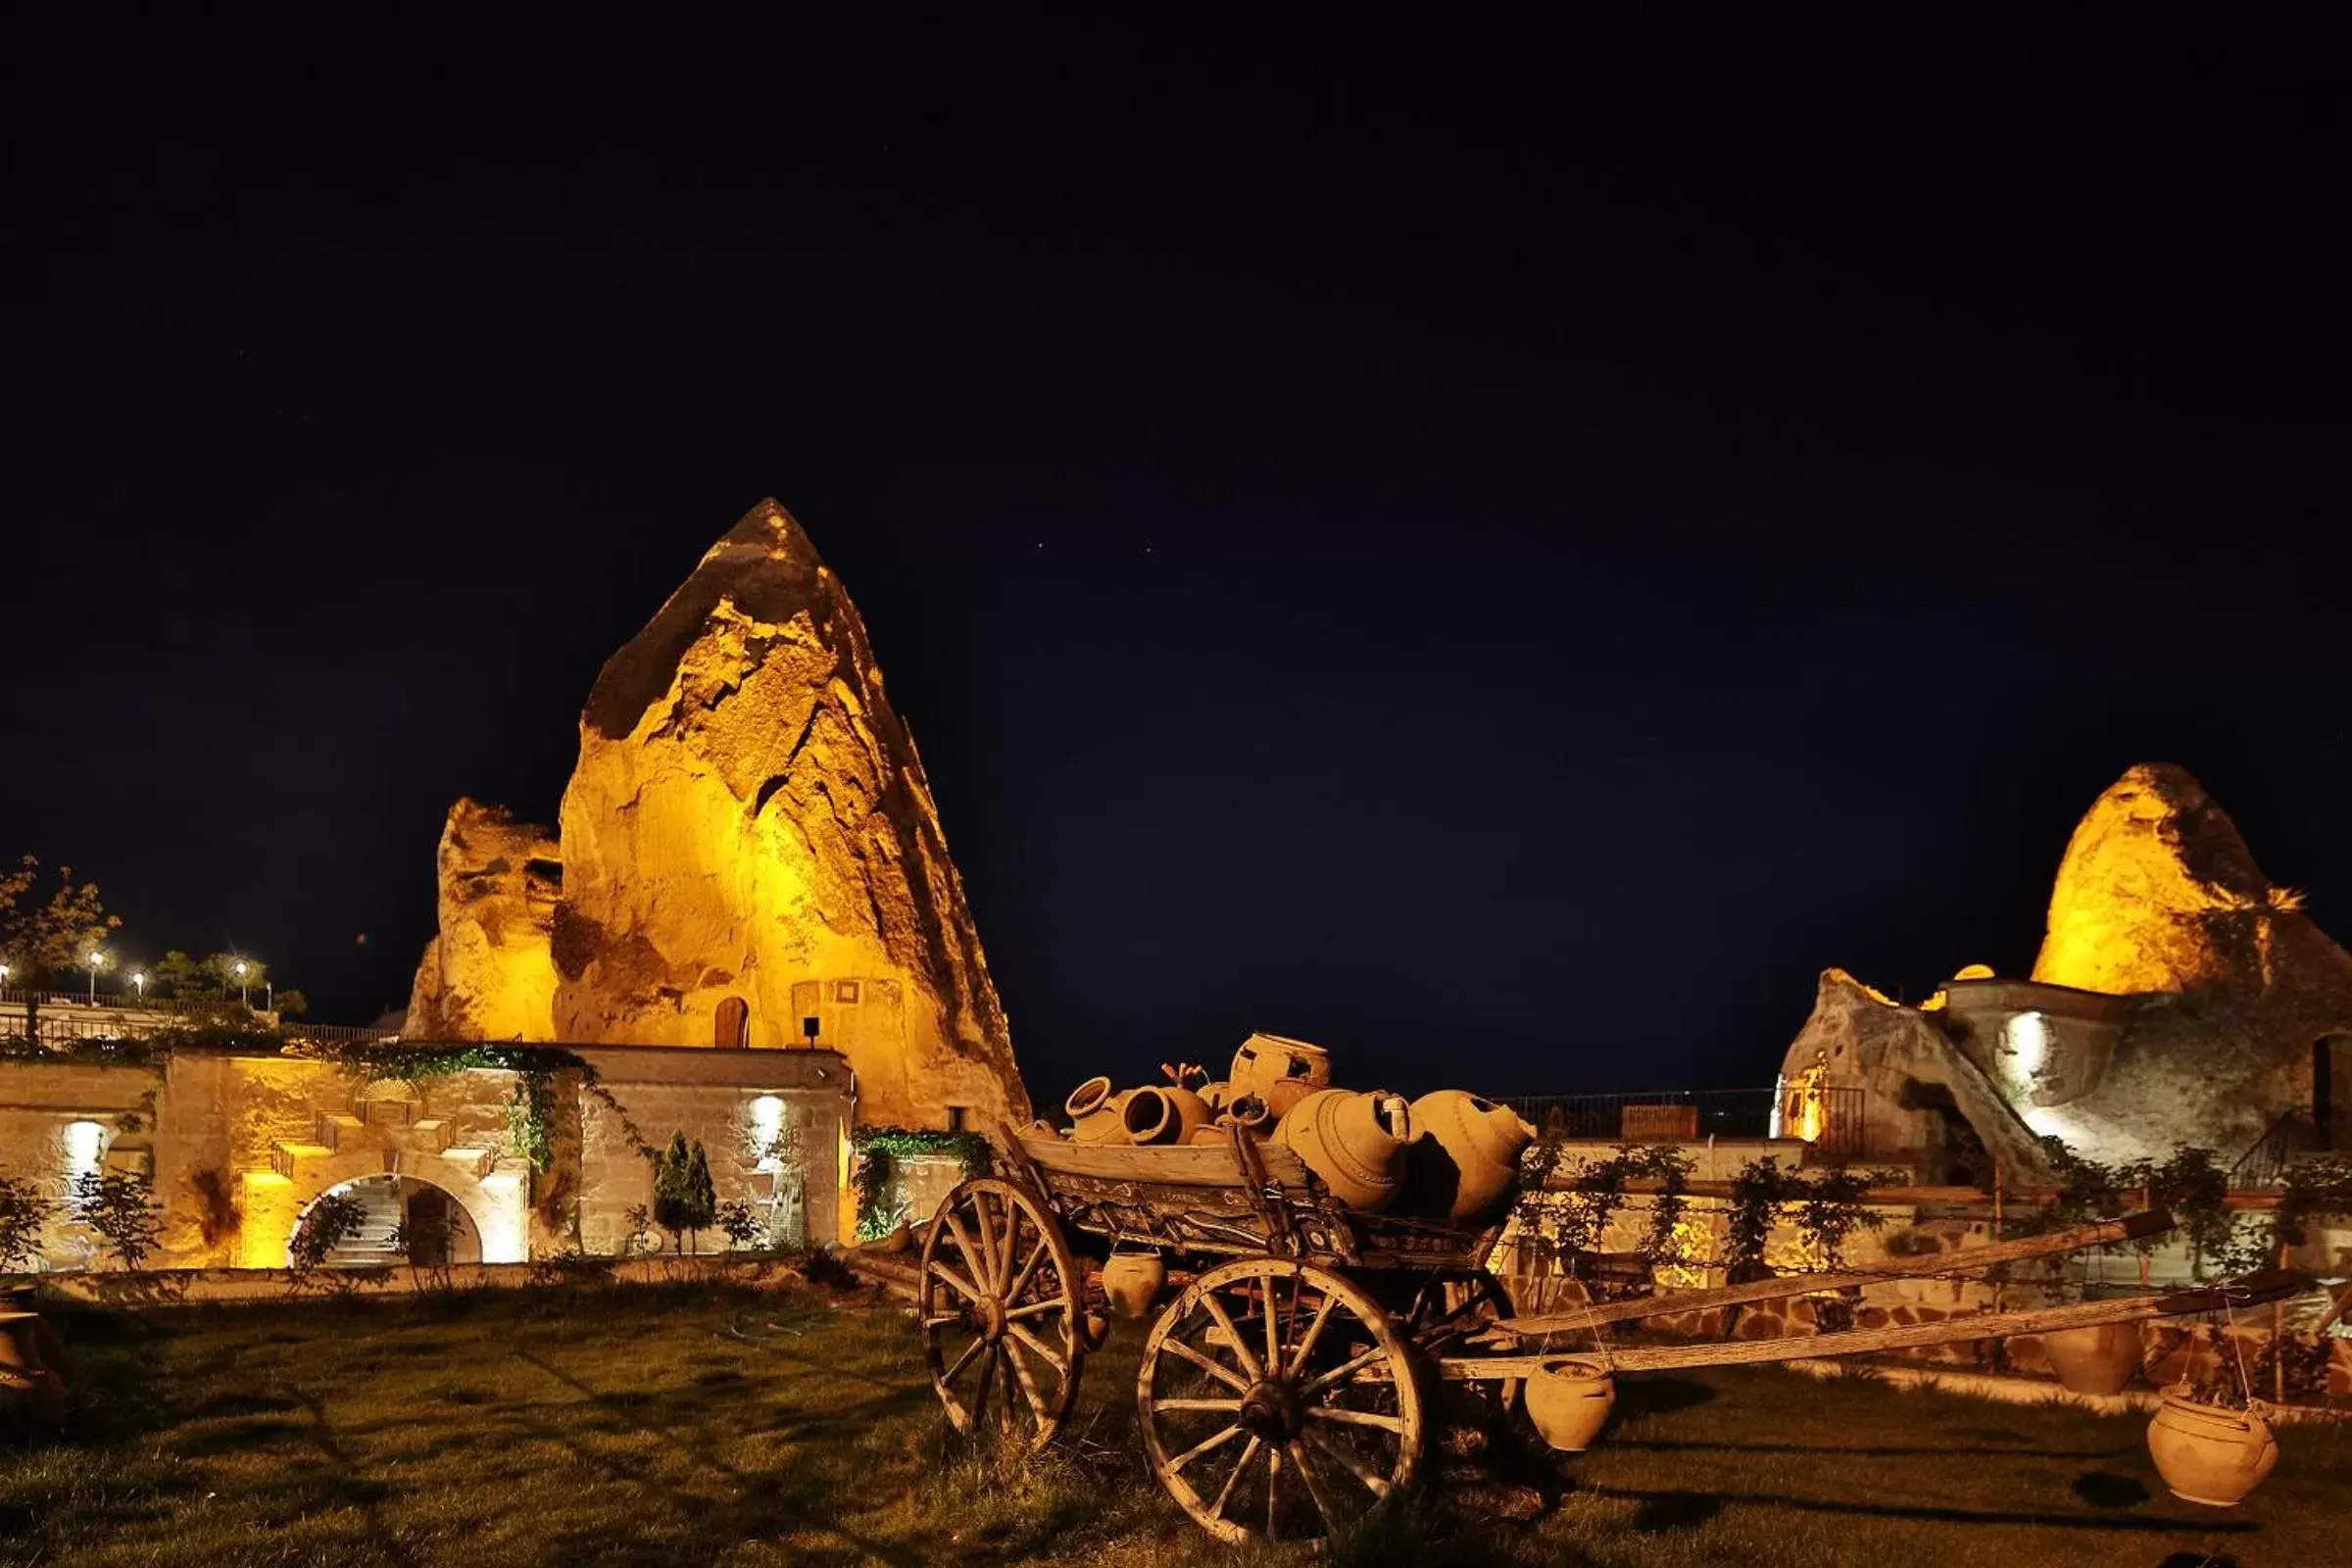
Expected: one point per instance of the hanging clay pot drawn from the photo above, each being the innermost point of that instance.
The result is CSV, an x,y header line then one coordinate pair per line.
x,y
2207,1453
1355,1142
1162,1113
1569,1400
1094,1113
2099,1359
1464,1159
1132,1280
1266,1060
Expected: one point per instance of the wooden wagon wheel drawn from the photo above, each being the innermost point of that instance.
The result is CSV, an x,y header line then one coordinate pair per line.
x,y
1448,1313
1278,1400
1001,1311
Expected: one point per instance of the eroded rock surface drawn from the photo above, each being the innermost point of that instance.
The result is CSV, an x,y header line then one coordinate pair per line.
x,y
489,975
749,842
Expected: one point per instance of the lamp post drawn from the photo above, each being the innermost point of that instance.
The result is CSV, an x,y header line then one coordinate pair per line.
x,y
138,977
96,959
242,999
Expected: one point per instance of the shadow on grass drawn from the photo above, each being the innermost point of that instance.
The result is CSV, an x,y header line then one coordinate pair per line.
x,y
1931,1515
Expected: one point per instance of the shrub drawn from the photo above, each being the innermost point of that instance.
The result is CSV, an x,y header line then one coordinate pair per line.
x,y
24,1216
120,1210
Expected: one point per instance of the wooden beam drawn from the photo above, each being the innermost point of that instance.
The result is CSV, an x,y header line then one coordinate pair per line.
x,y
2253,1291
1966,1261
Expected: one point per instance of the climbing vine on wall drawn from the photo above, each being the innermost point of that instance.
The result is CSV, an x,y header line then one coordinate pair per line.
x,y
880,1148
530,1105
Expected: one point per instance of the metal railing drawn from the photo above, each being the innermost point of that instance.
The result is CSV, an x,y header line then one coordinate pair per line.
x,y
2265,1163
126,1000
1832,1117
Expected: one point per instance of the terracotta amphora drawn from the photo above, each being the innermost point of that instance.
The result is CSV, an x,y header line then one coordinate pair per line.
x,y
1266,1060
1464,1159
2099,1359
1162,1113
1094,1113
2207,1453
1569,1400
1355,1142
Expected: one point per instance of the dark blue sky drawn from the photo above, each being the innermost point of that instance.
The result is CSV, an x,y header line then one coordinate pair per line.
x,y
1501,555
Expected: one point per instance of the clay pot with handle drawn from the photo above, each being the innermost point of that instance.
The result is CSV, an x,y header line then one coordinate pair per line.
x,y
1132,1278
1569,1400
1162,1113
2208,1453
2099,1359
1464,1159
1265,1062
1355,1142
1096,1113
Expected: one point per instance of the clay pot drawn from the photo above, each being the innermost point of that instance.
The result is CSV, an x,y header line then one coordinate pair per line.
x,y
1094,1113
1464,1159
1569,1400
1132,1280
1281,1099
2099,1359
1162,1113
2207,1455
1265,1060
1355,1142
1249,1111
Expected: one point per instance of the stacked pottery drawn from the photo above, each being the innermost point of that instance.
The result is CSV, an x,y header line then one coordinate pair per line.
x,y
2099,1359
2208,1453
1278,1071
1569,1401
1354,1142
1096,1113
1464,1159
1162,1113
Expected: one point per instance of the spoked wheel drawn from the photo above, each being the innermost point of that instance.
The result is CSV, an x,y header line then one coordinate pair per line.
x,y
1444,1316
1002,1315
1278,1400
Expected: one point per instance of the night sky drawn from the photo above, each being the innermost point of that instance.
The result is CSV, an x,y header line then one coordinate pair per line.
x,y
1504,556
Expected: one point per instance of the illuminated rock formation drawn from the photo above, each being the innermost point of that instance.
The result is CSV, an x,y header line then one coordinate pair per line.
x,y
2158,892
489,974
2180,999
749,842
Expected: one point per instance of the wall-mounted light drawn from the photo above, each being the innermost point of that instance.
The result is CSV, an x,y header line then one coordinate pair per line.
x,y
86,1147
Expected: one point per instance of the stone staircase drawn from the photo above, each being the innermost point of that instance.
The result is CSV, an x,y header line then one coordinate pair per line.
x,y
370,1244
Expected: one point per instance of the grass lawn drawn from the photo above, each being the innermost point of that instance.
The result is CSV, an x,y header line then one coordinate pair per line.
x,y
628,1426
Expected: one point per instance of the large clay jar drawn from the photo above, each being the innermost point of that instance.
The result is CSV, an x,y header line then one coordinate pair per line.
x,y
1162,1113
1094,1113
2207,1455
2099,1359
1266,1060
1132,1280
1569,1400
1355,1142
1464,1159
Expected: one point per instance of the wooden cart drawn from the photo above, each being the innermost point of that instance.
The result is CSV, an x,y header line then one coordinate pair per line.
x,y
1292,1382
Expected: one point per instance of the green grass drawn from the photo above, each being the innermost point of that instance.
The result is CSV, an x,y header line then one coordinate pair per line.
x,y
626,1427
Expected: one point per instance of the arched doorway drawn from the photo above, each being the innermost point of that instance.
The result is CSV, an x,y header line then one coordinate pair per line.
x,y
733,1029
402,1220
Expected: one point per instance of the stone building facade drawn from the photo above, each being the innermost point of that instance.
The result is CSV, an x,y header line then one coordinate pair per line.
x,y
239,1145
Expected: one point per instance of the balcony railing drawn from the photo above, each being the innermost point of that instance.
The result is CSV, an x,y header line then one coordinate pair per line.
x,y
1830,1119
126,1000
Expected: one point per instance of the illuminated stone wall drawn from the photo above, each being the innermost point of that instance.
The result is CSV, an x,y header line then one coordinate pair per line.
x,y
749,840
239,1147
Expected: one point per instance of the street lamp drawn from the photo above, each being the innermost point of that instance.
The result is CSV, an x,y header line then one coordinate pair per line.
x,y
138,977
241,999
96,959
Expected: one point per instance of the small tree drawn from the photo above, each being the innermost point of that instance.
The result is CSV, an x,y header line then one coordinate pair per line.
x,y
702,1198
120,1210
23,1217
742,1225
332,1221
39,938
684,1201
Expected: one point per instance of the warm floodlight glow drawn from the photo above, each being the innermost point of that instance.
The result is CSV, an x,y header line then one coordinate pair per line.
x,y
2027,1037
765,1115
86,1147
